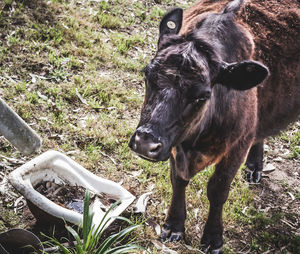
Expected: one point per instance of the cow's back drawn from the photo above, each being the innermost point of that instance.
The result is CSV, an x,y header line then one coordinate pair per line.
x,y
275,28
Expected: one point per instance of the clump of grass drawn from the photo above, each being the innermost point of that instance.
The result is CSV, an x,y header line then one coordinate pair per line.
x,y
104,5
125,43
156,13
108,21
292,138
91,236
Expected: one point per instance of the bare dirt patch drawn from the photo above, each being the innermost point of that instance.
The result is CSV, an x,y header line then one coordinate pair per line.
x,y
71,197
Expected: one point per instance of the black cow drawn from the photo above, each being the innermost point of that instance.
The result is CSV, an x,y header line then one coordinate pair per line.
x,y
207,102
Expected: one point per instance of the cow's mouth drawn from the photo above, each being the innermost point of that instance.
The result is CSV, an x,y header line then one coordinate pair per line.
x,y
147,159
165,158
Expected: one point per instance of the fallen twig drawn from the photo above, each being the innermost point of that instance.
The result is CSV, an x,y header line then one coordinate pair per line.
x,y
16,204
12,160
155,225
56,248
289,224
81,98
113,161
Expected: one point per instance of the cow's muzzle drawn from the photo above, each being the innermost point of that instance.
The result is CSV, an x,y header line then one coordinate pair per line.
x,y
147,145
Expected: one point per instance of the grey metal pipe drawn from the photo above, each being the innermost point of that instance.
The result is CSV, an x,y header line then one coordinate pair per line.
x,y
17,132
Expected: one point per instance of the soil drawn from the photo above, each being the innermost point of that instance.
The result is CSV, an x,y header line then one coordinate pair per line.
x,y
64,195
71,197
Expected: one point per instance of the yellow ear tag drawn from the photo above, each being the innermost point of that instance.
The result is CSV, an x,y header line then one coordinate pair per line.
x,y
171,24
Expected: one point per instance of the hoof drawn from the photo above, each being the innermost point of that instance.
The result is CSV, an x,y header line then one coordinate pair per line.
x,y
256,177
216,251
208,249
212,243
204,248
253,176
168,235
165,232
176,236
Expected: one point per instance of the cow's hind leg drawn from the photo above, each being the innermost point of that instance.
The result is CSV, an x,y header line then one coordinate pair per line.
x,y
254,163
217,193
173,229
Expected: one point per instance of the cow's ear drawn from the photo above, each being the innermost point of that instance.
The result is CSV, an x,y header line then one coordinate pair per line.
x,y
171,22
243,75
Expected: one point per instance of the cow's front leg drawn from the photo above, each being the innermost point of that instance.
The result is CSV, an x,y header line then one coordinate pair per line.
x,y
173,229
217,192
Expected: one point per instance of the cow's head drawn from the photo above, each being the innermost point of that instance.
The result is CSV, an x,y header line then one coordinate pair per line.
x,y
179,82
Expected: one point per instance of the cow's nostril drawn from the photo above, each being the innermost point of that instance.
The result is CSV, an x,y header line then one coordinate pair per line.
x,y
155,148
146,144
137,137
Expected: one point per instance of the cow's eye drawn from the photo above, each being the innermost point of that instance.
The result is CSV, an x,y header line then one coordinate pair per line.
x,y
198,102
197,94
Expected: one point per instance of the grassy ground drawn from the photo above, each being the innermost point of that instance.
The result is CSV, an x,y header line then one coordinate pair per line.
x,y
71,69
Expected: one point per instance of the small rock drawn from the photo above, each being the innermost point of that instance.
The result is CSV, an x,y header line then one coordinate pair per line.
x,y
269,168
278,159
48,185
266,148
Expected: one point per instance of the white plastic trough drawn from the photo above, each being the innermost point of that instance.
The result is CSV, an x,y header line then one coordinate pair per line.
x,y
55,166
